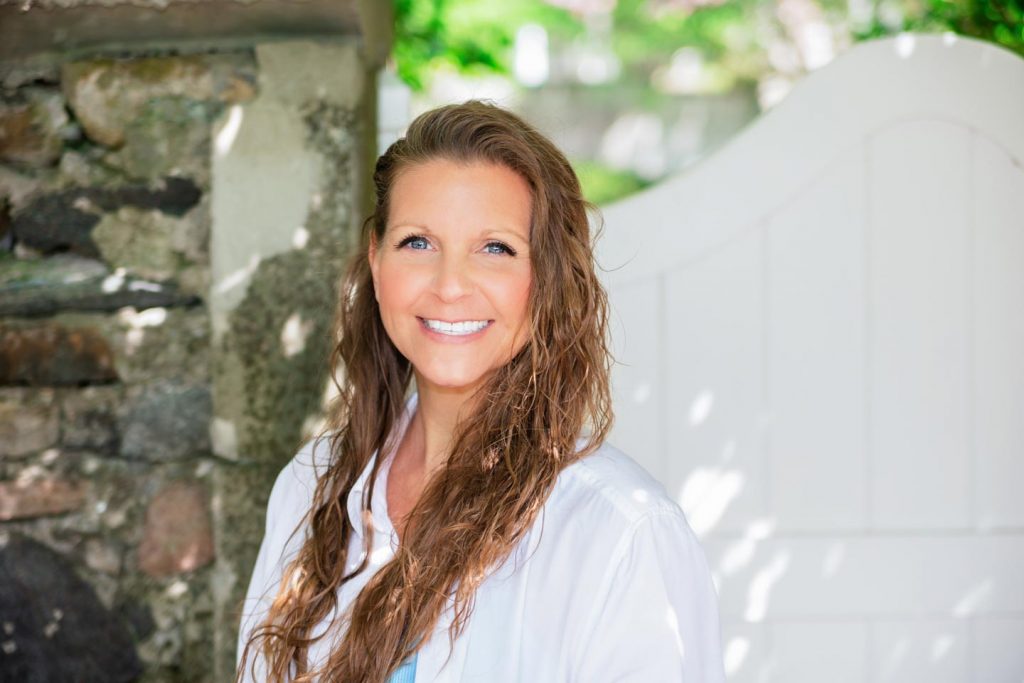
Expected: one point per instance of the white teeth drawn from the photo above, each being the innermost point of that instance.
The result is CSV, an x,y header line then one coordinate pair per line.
x,y
460,328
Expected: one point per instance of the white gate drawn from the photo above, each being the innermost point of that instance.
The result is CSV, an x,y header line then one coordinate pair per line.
x,y
821,338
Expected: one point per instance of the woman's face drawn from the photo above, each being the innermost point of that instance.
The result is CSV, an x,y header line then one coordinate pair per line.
x,y
452,272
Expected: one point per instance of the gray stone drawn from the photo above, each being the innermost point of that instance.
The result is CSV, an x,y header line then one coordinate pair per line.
x,y
59,269
60,221
85,168
89,418
52,355
108,96
29,422
168,421
102,556
67,282
139,241
178,537
169,137
55,628
16,188
46,300
152,345
15,74
64,220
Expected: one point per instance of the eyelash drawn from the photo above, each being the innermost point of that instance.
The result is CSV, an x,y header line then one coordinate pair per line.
x,y
414,237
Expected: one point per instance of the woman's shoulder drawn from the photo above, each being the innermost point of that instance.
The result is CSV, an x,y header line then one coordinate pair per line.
x,y
610,485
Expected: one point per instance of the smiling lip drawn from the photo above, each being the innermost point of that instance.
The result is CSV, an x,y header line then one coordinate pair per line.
x,y
454,336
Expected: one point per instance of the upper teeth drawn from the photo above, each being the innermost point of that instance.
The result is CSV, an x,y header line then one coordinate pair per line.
x,y
459,328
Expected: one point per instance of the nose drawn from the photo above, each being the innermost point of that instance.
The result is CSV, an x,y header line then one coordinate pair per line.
x,y
453,279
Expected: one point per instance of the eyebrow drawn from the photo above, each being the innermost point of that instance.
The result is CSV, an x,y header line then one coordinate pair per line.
x,y
427,231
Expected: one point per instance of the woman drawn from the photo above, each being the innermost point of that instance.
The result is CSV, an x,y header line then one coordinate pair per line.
x,y
479,529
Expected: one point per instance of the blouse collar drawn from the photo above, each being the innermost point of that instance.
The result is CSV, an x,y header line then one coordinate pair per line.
x,y
381,520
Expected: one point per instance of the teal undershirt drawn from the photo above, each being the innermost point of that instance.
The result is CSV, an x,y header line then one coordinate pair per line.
x,y
405,673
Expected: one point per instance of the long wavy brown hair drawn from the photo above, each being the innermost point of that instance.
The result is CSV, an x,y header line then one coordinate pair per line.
x,y
528,417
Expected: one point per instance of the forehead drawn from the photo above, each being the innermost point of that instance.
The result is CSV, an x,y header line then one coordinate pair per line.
x,y
440,192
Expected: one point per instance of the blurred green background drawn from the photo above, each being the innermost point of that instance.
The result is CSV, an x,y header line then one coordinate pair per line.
x,y
633,90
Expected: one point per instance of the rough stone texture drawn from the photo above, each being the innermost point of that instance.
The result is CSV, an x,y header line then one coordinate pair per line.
x,y
54,627
86,166
29,422
16,188
117,237
170,136
16,74
266,391
32,288
60,269
167,421
178,537
32,131
64,220
102,556
50,355
156,343
107,95
35,498
89,418
140,241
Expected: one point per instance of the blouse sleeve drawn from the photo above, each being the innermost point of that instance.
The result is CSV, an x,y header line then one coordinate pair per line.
x,y
656,616
266,573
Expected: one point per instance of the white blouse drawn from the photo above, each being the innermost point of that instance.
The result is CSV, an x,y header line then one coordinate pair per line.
x,y
609,583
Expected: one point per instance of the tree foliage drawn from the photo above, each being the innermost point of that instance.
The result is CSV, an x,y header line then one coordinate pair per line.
x,y
476,36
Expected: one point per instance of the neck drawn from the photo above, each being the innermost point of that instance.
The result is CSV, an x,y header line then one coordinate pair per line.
x,y
431,431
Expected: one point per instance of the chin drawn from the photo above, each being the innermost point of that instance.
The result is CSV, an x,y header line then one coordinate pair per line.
x,y
452,380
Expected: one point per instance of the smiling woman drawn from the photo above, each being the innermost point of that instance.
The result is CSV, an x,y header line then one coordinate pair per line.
x,y
452,275
479,527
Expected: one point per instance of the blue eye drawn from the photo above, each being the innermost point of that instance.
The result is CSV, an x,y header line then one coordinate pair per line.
x,y
499,248
414,241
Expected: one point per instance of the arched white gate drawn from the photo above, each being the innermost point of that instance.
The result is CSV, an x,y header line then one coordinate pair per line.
x,y
821,338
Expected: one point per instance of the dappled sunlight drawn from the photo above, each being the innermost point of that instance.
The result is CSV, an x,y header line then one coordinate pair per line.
x,y
893,658
970,603
706,495
294,334
642,393
137,321
238,277
300,238
225,137
941,646
736,651
672,619
759,591
176,589
833,559
739,554
113,282
701,407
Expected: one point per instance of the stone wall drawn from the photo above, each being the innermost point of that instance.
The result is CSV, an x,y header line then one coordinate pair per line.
x,y
171,232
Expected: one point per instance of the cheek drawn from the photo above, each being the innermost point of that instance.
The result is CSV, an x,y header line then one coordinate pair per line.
x,y
395,288
515,295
